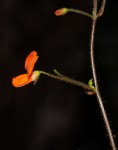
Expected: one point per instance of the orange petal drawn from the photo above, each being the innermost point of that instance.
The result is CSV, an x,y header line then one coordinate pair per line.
x,y
30,62
21,80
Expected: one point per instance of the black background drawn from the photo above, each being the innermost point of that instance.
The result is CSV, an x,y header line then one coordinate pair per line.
x,y
53,115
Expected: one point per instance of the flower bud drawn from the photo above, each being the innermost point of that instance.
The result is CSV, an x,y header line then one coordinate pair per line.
x,y
61,11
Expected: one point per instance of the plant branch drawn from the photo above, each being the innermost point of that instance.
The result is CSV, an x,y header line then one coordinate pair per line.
x,y
105,118
80,12
68,80
101,11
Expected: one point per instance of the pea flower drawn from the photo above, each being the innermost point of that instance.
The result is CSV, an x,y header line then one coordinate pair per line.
x,y
31,75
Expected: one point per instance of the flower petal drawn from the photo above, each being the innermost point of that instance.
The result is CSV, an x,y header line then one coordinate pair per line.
x,y
21,80
30,62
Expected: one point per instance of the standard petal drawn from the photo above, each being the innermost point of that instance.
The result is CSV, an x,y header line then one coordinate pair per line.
x,y
30,62
21,80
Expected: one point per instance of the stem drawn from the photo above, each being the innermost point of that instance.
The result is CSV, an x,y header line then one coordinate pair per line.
x,y
59,74
103,112
101,11
69,80
80,12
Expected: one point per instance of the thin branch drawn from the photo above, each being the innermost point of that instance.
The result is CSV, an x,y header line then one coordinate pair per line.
x,y
69,80
103,112
59,74
80,12
101,11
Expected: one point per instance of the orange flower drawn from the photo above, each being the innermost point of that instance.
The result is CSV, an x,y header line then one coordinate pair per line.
x,y
30,62
31,75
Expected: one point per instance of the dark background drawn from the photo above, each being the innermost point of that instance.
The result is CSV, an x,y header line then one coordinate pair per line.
x,y
53,115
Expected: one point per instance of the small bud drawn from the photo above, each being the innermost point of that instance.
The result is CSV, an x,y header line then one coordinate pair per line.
x,y
90,82
88,92
61,11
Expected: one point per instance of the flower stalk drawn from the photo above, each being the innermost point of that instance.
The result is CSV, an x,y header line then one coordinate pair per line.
x,y
68,80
